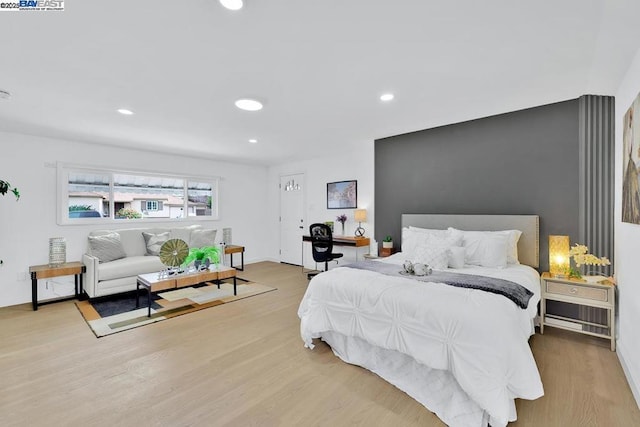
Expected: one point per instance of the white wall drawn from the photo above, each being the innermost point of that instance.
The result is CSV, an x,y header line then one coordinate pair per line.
x,y
357,164
27,225
627,247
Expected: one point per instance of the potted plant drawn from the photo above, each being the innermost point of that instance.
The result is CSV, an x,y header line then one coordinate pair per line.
x,y
203,254
387,242
6,187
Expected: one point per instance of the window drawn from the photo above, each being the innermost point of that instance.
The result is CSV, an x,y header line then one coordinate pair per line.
x,y
152,205
89,195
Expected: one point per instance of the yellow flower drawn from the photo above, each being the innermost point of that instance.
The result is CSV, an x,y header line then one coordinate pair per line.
x,y
582,257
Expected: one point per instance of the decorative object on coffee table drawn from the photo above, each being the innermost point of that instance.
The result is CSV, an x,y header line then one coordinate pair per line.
x,y
200,255
173,252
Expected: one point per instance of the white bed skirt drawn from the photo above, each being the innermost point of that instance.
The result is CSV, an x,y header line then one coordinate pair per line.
x,y
436,389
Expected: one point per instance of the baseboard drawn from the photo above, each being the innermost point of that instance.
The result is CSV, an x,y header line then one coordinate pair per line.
x,y
255,260
627,372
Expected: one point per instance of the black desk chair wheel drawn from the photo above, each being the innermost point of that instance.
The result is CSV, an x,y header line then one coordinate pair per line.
x,y
322,246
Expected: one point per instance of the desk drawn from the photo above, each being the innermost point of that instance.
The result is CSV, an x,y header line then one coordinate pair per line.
x,y
350,241
345,241
46,271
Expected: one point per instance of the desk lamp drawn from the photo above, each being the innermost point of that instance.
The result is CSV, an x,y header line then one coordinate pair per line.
x,y
360,215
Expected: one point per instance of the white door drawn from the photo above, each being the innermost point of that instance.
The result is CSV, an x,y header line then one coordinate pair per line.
x,y
292,226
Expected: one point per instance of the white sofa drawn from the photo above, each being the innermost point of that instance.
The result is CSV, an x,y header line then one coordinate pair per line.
x,y
106,278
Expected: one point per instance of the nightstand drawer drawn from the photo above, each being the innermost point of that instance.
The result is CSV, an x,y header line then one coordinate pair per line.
x,y
595,294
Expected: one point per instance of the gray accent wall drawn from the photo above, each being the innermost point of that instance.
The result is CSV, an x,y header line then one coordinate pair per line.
x,y
523,162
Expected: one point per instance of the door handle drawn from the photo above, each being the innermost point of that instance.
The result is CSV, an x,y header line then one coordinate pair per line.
x,y
300,227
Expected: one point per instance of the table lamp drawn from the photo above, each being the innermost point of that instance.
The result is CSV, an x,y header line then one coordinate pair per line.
x,y
558,255
360,215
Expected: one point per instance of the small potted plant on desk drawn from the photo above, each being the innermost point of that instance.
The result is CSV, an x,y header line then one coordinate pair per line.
x,y
387,246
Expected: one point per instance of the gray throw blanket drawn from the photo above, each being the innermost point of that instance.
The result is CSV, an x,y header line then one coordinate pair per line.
x,y
515,292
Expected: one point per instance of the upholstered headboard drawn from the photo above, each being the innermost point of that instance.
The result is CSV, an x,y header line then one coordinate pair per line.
x,y
528,245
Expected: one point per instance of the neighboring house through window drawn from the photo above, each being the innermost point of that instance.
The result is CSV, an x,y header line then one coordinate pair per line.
x,y
117,195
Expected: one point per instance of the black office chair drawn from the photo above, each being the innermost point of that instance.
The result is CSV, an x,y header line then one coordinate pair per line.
x,y
322,245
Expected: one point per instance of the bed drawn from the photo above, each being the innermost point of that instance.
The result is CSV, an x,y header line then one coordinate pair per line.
x,y
461,352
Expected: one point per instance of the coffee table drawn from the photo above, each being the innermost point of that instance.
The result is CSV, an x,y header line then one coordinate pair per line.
x,y
153,282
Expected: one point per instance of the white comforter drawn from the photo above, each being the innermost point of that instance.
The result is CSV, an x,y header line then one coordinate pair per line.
x,y
481,338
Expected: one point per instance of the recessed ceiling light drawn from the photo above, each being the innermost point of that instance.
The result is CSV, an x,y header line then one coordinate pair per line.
x,y
253,141
386,97
125,111
4,94
232,4
249,104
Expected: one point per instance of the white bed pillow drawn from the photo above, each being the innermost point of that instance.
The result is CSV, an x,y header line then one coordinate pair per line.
x,y
456,257
512,241
494,251
412,237
435,256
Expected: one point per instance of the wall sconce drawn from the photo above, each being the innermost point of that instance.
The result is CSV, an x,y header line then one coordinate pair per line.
x,y
360,215
558,255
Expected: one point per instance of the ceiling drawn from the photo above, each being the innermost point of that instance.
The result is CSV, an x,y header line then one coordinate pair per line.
x,y
318,66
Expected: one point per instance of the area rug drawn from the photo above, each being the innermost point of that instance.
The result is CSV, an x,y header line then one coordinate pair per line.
x,y
119,313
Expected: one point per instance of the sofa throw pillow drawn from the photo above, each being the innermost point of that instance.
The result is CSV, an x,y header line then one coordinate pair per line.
x,y
107,247
202,238
155,241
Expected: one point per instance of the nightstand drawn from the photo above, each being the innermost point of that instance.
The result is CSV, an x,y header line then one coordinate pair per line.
x,y
583,293
385,252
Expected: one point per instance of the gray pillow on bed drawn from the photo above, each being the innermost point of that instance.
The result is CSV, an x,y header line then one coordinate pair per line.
x,y
107,247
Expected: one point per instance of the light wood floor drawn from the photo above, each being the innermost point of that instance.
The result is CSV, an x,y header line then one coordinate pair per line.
x,y
243,364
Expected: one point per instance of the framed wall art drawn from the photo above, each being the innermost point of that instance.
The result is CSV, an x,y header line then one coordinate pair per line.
x,y
342,195
631,161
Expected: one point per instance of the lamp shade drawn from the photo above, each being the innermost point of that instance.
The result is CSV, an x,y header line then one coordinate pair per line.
x,y
558,255
360,215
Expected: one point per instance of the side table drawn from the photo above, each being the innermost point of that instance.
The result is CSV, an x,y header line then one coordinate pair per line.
x,y
579,292
46,271
385,252
234,249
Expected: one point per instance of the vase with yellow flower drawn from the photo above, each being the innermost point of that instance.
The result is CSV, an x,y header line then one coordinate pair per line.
x,y
581,257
